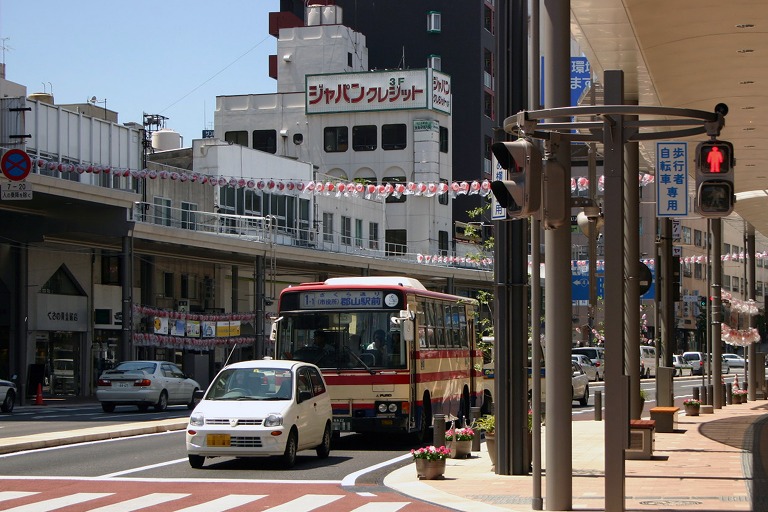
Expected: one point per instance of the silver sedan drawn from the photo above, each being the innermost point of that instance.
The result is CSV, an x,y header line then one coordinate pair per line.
x,y
587,365
145,384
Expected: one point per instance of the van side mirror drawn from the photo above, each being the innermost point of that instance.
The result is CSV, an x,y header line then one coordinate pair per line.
x,y
304,396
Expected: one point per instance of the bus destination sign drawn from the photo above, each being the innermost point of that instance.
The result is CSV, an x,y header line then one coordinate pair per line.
x,y
342,299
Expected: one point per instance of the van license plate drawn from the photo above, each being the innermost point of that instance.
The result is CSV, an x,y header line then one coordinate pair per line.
x,y
217,440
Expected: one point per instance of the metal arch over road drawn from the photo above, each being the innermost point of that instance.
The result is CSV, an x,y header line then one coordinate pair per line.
x,y
528,122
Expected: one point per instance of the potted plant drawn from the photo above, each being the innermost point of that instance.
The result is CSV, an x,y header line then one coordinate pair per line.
x,y
459,440
487,423
641,403
740,395
692,406
430,461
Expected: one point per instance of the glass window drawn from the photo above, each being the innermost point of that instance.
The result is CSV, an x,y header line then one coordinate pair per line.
x,y
488,18
265,140
433,22
488,104
327,227
358,232
444,139
168,284
443,198
396,241
364,137
162,211
239,137
394,136
188,220
346,230
442,242
188,286
336,139
393,180
110,267
373,235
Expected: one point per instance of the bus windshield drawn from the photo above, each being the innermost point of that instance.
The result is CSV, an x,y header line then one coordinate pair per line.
x,y
355,339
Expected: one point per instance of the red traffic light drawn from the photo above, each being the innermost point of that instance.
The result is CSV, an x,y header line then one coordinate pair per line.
x,y
714,157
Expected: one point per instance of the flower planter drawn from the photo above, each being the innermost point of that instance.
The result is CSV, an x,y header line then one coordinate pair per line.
x,y
460,449
490,443
692,410
430,469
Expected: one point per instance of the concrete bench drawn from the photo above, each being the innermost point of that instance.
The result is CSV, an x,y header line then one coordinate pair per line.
x,y
641,440
665,417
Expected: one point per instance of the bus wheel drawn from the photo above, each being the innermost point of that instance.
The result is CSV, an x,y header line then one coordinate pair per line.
x,y
424,433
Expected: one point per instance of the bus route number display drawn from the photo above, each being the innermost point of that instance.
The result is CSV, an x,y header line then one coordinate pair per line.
x,y
342,299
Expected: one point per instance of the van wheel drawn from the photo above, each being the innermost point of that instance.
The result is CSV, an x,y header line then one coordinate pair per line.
x,y
291,446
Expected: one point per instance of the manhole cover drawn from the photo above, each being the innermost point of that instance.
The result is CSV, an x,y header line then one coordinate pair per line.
x,y
668,503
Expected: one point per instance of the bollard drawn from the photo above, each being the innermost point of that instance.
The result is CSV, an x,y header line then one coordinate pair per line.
x,y
438,430
696,393
724,394
598,405
474,415
711,392
704,397
728,394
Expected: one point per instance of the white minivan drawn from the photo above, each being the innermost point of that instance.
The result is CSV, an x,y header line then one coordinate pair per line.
x,y
647,361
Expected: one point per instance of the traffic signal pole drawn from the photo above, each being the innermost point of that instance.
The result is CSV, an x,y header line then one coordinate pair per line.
x,y
716,363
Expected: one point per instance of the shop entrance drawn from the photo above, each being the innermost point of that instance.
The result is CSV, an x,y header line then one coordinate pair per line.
x,y
57,364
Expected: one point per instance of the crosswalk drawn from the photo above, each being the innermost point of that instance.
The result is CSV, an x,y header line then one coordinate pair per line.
x,y
114,502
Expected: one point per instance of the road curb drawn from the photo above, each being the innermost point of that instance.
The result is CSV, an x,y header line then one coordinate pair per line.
x,y
52,439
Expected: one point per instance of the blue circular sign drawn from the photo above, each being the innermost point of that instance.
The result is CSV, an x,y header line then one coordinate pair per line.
x,y
16,164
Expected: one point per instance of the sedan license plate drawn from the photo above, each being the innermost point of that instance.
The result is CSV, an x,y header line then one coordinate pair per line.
x,y
217,439
123,385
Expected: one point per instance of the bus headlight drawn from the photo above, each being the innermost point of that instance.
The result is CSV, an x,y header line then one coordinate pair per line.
x,y
387,408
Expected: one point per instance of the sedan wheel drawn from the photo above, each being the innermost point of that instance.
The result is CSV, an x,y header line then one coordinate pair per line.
x,y
192,402
8,402
291,445
107,407
162,402
324,448
584,400
196,461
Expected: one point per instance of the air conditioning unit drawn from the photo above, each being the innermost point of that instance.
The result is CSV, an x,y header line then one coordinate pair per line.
x,y
182,306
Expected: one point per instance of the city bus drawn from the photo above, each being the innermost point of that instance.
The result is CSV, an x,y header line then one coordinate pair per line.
x,y
393,353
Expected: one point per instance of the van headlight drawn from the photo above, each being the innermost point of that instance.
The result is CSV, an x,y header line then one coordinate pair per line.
x,y
273,420
197,420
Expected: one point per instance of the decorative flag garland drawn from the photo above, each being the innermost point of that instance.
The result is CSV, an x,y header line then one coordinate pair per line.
x,y
164,313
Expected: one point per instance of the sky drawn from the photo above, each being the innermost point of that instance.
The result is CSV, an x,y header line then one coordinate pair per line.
x,y
167,57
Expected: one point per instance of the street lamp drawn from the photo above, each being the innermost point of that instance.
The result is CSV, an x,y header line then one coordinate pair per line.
x,y
94,101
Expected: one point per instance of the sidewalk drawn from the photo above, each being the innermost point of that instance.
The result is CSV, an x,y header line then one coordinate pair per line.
x,y
713,462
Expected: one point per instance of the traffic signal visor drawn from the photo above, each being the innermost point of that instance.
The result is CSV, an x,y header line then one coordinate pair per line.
x,y
520,194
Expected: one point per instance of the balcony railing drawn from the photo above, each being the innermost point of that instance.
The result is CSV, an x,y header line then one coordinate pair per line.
x,y
270,230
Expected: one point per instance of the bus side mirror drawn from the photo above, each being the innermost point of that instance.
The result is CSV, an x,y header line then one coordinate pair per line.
x,y
273,329
406,327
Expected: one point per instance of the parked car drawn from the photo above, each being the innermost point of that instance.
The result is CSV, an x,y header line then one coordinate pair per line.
x,y
734,360
7,395
259,409
647,361
144,384
579,384
682,367
596,355
696,360
586,364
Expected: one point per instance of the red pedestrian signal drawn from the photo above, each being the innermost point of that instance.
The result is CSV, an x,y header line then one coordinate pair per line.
x,y
714,157
714,178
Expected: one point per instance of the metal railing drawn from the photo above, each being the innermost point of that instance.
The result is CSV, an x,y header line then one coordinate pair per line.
x,y
268,229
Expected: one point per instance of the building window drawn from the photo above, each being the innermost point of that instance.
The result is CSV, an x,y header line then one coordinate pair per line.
x,y
433,22
488,105
237,137
349,59
434,62
168,284
265,140
488,19
396,242
346,230
444,142
188,286
110,268
393,180
364,137
488,61
697,238
162,211
188,220
394,136
327,227
726,282
373,235
359,233
686,235
442,242
697,273
443,198
336,139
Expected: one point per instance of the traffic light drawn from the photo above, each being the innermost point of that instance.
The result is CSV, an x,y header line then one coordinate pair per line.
x,y
714,178
702,302
520,193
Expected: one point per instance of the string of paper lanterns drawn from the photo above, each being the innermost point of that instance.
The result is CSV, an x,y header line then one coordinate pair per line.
x,y
163,341
178,315
296,187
